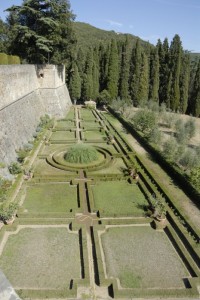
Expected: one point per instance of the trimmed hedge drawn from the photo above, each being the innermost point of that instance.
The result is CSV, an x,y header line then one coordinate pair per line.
x,y
9,59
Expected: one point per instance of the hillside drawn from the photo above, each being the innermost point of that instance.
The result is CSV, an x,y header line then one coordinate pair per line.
x,y
88,35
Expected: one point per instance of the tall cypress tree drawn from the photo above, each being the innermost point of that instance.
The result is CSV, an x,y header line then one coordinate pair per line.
x,y
74,83
143,89
164,72
154,75
195,99
135,69
184,82
176,52
113,71
87,86
125,70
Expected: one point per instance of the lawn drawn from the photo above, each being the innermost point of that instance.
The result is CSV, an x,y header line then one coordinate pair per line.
x,y
118,198
65,124
41,167
87,114
41,258
53,198
94,135
62,135
70,115
142,257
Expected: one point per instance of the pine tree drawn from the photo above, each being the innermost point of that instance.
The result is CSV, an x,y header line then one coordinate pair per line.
x,y
113,71
41,31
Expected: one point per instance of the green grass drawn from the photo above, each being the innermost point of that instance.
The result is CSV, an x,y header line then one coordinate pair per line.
x,y
65,124
87,114
41,258
70,115
118,198
142,258
89,125
62,135
41,167
116,167
94,135
45,198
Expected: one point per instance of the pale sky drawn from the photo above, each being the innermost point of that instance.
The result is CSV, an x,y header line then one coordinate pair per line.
x,y
148,19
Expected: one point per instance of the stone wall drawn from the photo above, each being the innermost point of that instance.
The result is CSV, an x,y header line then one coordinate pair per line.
x,y
28,92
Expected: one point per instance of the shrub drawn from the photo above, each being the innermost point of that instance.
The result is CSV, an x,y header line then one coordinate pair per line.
x,y
14,168
7,212
190,128
170,149
195,177
145,121
3,59
189,159
81,154
13,60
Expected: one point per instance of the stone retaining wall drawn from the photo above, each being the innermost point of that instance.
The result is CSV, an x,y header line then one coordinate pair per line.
x,y
28,92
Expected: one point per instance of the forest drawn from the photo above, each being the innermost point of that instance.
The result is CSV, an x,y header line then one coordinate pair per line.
x,y
102,65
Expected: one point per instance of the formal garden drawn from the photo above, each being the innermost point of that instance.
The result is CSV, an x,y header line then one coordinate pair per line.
x,y
92,220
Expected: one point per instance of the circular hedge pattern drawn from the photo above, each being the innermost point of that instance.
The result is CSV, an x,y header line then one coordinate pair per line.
x,y
81,154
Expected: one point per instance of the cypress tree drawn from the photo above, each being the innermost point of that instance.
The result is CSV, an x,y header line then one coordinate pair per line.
x,y
175,62
164,72
195,99
143,89
125,70
184,82
135,69
113,71
154,75
87,87
75,83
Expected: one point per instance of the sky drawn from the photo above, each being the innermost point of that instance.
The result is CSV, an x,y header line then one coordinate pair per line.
x,y
148,19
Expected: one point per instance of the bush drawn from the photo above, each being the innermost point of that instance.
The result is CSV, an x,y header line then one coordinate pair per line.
x,y
13,60
170,149
145,121
7,212
81,154
190,128
15,168
3,59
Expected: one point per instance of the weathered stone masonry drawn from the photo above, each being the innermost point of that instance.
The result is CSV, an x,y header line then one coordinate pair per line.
x,y
28,92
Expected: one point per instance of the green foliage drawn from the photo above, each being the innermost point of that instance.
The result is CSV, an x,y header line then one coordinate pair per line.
x,y
169,149
195,177
81,154
3,59
104,98
15,168
145,121
7,211
9,59
113,71
40,31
